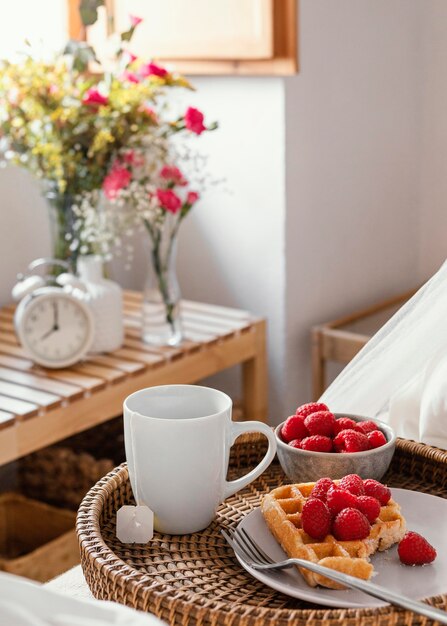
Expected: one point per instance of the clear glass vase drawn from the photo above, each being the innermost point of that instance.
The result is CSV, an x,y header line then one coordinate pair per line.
x,y
71,232
62,221
161,297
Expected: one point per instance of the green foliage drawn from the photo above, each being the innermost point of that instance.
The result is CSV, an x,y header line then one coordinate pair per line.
x,y
88,10
81,53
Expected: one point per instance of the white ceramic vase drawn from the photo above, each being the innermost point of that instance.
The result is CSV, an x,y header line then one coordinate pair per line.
x,y
105,298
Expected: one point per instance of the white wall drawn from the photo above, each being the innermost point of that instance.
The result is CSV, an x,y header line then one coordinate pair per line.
x,y
232,247
352,116
433,148
24,226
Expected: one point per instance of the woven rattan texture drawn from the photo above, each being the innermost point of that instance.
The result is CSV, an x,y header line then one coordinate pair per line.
x,y
195,579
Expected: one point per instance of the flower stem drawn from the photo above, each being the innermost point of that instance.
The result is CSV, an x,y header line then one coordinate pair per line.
x,y
161,270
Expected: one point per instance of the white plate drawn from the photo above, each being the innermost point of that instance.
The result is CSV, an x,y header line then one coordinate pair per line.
x,y
424,514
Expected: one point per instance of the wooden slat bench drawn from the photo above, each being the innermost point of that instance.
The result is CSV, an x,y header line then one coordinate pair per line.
x,y
39,406
339,341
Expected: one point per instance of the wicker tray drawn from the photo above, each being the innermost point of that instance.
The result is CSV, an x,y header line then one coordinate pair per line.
x,y
195,579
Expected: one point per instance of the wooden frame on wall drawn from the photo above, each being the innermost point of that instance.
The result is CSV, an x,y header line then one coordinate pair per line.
x,y
283,61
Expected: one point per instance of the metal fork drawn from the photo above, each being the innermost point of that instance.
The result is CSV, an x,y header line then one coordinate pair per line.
x,y
255,557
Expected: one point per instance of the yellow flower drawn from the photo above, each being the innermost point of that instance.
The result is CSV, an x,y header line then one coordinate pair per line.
x,y
100,141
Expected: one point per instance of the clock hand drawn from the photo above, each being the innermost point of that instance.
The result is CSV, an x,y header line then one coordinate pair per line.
x,y
56,316
47,334
55,322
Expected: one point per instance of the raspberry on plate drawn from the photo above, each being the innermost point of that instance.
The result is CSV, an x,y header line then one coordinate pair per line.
x,y
294,428
350,525
343,423
321,488
352,483
339,499
414,549
351,441
377,490
376,438
370,507
320,423
317,443
316,519
366,427
295,443
311,407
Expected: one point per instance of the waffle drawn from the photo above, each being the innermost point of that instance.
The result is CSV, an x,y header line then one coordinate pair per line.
x,y
282,511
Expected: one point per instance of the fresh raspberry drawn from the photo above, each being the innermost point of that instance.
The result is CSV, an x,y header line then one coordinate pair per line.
x,y
370,507
294,428
295,443
317,443
342,423
316,519
312,407
320,423
351,441
376,438
366,426
352,483
321,488
376,490
413,549
339,499
350,525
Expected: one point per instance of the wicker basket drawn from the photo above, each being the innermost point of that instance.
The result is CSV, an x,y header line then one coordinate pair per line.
x,y
62,474
36,540
195,579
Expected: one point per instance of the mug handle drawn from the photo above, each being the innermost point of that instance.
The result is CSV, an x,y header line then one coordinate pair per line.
x,y
238,428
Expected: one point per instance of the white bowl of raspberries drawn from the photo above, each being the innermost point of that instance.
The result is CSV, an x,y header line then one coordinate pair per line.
x,y
314,442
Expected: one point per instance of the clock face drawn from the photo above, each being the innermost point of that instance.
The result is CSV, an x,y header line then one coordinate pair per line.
x,y
56,329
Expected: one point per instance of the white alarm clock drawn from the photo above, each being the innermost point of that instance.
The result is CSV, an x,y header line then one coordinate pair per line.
x,y
52,320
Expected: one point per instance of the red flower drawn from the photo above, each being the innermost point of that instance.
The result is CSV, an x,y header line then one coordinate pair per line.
x,y
192,197
118,178
131,77
169,200
135,20
129,57
172,174
194,120
94,98
151,69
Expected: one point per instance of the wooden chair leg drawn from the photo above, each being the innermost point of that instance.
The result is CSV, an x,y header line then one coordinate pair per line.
x,y
255,379
318,365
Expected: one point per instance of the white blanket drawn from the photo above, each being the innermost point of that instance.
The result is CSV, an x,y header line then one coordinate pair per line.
x,y
26,603
401,373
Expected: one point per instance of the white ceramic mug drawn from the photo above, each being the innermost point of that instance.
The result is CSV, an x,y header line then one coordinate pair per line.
x,y
178,440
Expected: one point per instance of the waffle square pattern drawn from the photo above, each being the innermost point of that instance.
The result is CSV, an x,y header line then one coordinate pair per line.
x,y
282,509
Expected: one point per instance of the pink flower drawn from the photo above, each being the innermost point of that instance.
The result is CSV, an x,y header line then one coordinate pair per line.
x,y
135,20
169,200
194,120
131,77
172,174
150,113
118,178
94,98
151,69
132,158
192,197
